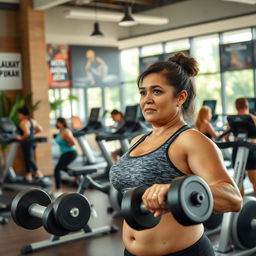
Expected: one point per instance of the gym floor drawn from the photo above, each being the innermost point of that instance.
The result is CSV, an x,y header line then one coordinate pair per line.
x,y
13,238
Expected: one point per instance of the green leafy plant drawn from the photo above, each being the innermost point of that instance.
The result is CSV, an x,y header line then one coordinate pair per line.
x,y
57,103
9,108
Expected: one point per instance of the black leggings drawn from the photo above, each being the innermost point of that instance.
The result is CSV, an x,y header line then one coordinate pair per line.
x,y
64,161
28,153
202,247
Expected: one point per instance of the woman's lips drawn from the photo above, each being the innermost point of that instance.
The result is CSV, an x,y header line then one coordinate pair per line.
x,y
149,110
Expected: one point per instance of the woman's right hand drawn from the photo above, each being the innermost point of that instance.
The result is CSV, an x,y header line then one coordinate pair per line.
x,y
154,199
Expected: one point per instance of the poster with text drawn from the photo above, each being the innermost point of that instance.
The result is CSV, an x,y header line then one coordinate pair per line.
x,y
95,66
145,62
10,71
236,56
58,66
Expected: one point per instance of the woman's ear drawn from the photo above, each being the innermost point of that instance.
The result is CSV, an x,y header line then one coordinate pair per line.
x,y
182,97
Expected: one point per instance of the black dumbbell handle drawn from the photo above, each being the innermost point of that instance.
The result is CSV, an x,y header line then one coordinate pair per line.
x,y
196,199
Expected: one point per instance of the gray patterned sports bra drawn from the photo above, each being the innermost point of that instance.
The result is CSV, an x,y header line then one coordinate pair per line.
x,y
152,168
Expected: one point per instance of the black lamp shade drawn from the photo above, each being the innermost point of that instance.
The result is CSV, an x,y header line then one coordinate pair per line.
x,y
96,31
127,20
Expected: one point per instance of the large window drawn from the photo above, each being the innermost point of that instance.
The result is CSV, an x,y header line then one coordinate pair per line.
x,y
94,96
131,93
237,36
177,45
208,82
206,51
238,84
129,64
208,87
152,49
78,106
112,101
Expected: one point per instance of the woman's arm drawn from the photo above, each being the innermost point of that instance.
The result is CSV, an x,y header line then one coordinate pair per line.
x,y
210,130
205,160
68,136
201,157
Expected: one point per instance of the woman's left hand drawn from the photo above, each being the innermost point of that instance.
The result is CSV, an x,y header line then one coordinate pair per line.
x,y
154,198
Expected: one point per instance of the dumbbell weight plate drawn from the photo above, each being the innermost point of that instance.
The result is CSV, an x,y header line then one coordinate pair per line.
x,y
130,210
243,235
214,221
190,200
50,223
21,204
72,211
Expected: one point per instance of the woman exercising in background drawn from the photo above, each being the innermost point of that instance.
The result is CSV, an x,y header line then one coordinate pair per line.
x,y
203,122
27,128
66,142
171,150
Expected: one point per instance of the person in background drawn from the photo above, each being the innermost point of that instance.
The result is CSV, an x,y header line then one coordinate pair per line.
x,y
172,149
242,108
66,142
27,128
203,124
118,118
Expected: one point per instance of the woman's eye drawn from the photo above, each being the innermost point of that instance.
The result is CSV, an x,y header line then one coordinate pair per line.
x,y
142,93
157,92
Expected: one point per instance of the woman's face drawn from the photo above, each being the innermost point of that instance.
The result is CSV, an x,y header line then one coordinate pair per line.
x,y
59,125
157,101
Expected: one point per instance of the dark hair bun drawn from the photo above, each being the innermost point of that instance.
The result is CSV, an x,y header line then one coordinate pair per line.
x,y
189,64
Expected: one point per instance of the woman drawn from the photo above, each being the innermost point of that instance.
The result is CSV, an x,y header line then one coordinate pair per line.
x,y
171,150
203,122
27,128
66,142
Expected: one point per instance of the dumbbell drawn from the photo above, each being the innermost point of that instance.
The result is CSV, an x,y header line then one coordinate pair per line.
x,y
189,199
33,208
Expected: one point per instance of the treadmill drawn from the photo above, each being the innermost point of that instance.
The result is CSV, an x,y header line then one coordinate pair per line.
x,y
94,125
9,178
237,235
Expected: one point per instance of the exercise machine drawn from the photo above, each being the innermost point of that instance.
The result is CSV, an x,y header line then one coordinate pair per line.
x,y
9,178
238,230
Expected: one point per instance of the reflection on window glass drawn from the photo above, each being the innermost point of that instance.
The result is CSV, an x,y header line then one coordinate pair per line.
x,y
207,53
78,107
208,87
94,98
150,50
237,36
131,92
130,64
177,45
238,84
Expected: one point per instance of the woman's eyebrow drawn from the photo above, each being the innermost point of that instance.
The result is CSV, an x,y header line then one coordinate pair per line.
x,y
151,87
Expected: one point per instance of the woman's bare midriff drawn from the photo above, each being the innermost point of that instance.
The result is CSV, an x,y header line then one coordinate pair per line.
x,y
167,237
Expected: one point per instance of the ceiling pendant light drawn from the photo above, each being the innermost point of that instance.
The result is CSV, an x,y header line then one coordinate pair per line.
x,y
96,31
127,20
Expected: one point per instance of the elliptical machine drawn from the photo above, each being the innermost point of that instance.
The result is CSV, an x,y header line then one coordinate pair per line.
x,y
238,230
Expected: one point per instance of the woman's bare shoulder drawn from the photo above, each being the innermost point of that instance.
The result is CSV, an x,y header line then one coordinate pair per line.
x,y
135,139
